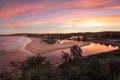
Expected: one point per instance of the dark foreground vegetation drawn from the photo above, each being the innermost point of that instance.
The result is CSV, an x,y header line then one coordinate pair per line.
x,y
104,66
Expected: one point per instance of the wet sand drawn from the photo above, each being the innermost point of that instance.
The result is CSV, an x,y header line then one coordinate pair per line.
x,y
13,50
39,47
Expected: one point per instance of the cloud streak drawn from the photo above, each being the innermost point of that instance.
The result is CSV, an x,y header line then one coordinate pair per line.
x,y
105,20
18,9
59,13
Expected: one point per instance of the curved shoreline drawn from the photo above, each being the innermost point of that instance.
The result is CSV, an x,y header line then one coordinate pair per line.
x,y
40,48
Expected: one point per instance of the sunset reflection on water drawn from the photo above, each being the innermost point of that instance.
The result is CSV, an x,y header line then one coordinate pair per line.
x,y
93,48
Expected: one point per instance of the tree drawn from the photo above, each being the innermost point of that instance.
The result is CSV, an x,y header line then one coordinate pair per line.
x,y
66,57
76,52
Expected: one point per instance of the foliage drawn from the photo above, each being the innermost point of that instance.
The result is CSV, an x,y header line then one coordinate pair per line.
x,y
115,70
75,54
50,40
66,57
5,76
38,73
35,68
104,66
31,62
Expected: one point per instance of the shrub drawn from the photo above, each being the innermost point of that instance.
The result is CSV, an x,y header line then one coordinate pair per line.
x,y
38,73
50,40
31,62
5,76
76,54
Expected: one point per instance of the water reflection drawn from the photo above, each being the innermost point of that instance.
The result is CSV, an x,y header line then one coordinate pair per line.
x,y
17,44
107,44
10,43
12,48
93,48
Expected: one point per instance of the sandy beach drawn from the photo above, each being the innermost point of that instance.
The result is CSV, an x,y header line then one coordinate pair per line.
x,y
37,46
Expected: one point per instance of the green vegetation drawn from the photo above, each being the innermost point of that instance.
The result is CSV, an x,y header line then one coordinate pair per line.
x,y
50,40
103,66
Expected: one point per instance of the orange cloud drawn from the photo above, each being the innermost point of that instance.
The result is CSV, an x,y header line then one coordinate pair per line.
x,y
114,7
20,24
66,21
95,2
93,21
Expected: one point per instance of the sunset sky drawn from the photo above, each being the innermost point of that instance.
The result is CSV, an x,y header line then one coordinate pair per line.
x,y
59,16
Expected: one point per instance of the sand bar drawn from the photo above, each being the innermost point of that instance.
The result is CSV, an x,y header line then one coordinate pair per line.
x,y
39,47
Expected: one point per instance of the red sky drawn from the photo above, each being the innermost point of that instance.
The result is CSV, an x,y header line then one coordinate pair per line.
x,y
59,16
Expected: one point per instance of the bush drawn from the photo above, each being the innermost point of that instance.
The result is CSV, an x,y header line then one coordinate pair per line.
x,y
31,62
76,53
38,73
5,76
86,68
50,41
36,68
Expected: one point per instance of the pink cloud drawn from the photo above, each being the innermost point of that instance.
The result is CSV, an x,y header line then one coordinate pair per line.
x,y
64,17
34,8
65,21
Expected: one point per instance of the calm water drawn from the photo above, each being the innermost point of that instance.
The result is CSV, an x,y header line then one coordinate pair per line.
x,y
12,43
13,49
9,43
93,48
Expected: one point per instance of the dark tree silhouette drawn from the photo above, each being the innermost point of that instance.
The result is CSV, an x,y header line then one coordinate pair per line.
x,y
66,57
76,52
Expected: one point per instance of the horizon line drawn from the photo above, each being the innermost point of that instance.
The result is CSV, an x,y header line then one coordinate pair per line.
x,y
58,32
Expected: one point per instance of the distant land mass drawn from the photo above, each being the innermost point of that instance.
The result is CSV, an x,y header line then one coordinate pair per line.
x,y
80,33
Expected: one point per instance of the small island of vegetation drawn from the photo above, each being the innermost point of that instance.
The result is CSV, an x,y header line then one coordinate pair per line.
x,y
49,40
